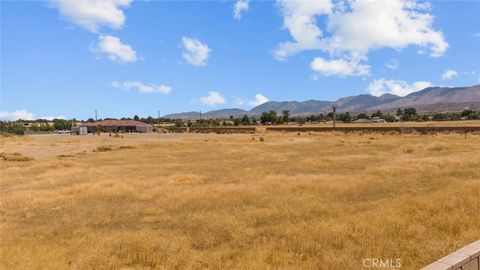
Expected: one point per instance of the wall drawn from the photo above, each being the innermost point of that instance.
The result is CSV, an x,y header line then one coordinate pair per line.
x,y
466,258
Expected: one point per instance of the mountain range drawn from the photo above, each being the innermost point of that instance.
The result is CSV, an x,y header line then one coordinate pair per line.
x,y
428,100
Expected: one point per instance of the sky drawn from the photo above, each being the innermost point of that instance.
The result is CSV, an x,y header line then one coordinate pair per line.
x,y
66,59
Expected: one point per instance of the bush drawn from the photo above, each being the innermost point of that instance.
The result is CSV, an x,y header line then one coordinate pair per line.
x,y
12,127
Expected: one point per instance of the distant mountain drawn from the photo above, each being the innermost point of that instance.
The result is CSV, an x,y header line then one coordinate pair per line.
x,y
435,95
184,115
294,107
226,113
223,113
432,99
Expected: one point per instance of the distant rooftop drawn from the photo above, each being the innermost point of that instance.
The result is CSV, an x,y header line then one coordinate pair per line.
x,y
118,123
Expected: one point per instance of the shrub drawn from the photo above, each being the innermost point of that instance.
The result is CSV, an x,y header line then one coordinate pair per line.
x,y
14,157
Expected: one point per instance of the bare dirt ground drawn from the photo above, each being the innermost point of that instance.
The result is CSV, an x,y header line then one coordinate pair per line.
x,y
195,201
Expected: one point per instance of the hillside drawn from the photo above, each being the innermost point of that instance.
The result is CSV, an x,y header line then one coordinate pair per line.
x,y
428,100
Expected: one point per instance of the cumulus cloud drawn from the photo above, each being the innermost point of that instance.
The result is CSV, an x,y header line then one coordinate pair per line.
x,y
353,28
299,17
16,115
142,88
213,98
448,74
396,87
50,118
339,67
240,5
392,64
195,52
115,50
91,14
259,99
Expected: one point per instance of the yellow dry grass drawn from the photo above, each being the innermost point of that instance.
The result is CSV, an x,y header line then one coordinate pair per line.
x,y
197,201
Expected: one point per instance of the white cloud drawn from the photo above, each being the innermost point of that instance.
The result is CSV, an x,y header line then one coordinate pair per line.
x,y
353,28
50,118
16,115
339,67
196,52
392,64
213,98
91,14
116,50
448,74
259,99
299,17
142,88
396,87
476,35
240,5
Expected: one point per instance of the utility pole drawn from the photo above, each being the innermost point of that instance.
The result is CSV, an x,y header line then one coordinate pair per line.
x,y
334,108
95,114
200,114
159,115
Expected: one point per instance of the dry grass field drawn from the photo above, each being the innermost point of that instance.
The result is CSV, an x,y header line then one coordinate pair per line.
x,y
207,201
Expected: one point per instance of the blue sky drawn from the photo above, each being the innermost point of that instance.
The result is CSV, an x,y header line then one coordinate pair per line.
x,y
123,57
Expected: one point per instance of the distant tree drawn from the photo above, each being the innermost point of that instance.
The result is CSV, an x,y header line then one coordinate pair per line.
x,y
466,113
16,127
245,120
270,117
136,118
61,124
300,120
377,114
150,120
410,114
178,123
363,116
285,116
389,118
345,117
90,120
399,112
320,117
439,116
411,111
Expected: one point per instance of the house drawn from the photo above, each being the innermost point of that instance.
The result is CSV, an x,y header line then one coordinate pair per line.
x,y
117,126
363,120
378,120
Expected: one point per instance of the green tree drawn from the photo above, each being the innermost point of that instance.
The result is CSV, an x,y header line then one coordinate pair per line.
x,y
363,116
269,117
245,120
377,114
285,116
136,118
345,117
466,113
16,127
409,114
